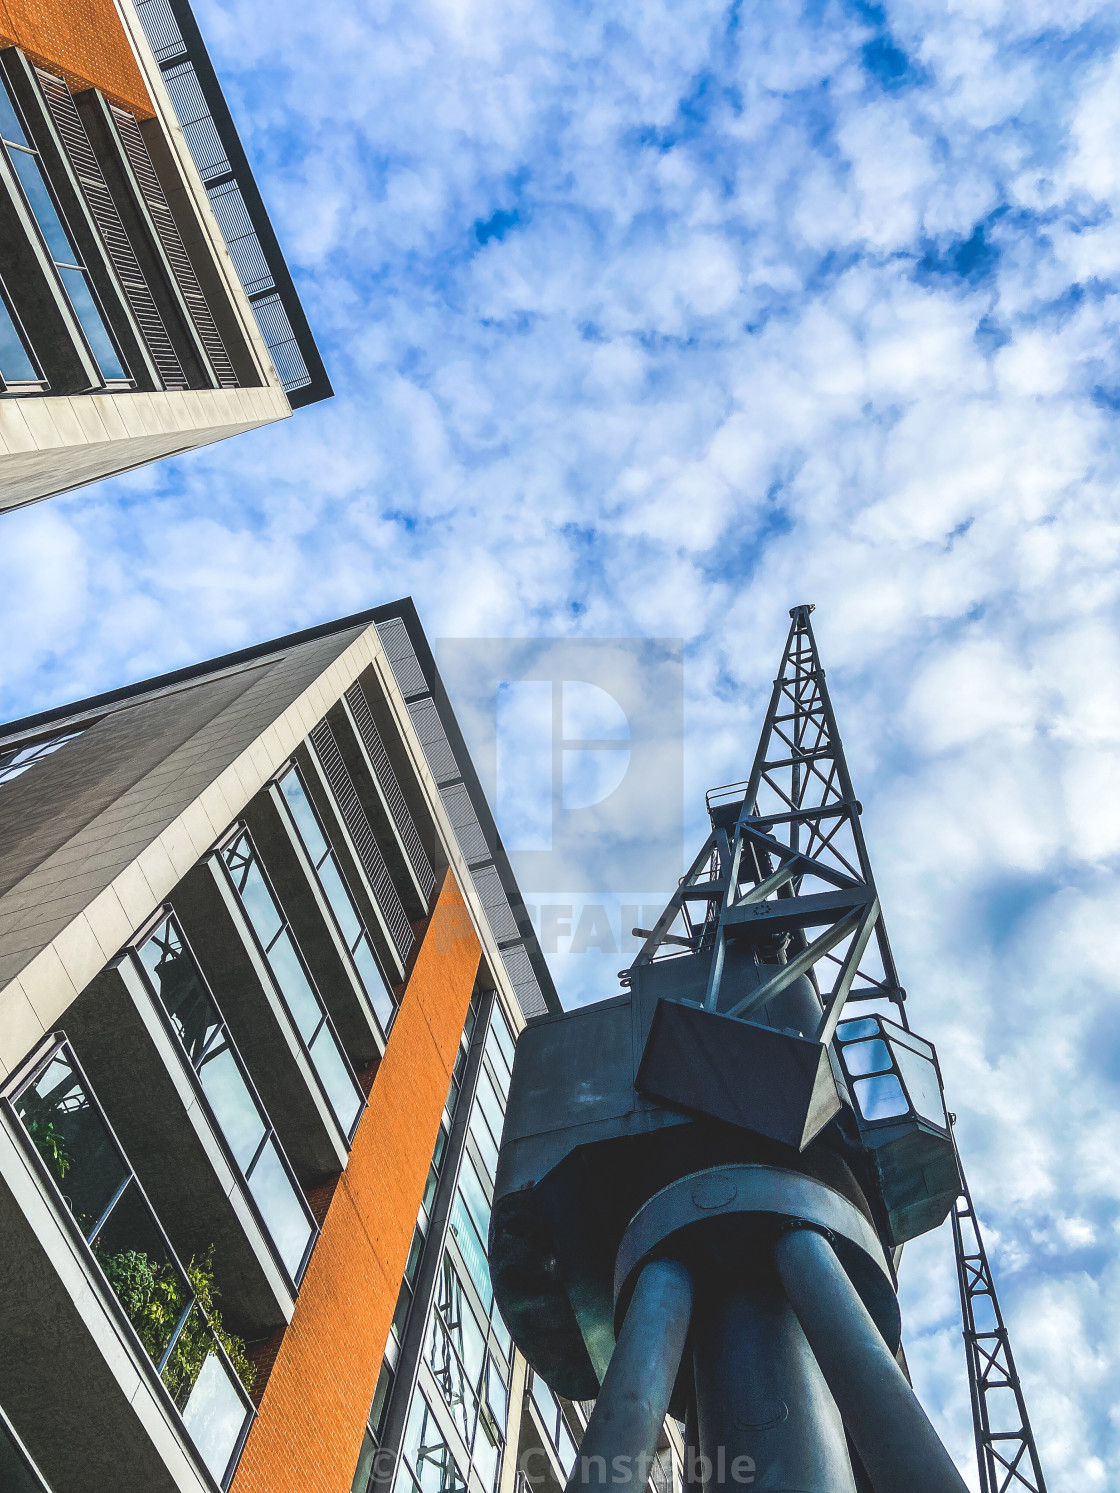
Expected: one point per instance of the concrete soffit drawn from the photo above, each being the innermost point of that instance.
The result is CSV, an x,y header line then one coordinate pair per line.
x,y
35,1001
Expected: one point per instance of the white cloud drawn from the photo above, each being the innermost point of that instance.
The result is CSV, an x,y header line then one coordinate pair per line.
x,y
750,327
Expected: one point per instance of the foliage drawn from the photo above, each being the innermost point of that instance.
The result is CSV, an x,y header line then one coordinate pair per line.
x,y
155,1296
38,1117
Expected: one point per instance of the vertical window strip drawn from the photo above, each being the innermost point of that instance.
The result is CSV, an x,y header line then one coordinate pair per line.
x,y
19,367
315,839
137,292
369,854
387,779
467,1362
208,1049
57,242
301,999
171,241
100,1194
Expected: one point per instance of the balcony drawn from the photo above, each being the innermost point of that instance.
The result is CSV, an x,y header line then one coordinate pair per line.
x,y
107,1342
311,884
150,1036
267,1018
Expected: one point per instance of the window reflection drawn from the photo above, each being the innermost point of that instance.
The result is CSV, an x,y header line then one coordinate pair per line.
x,y
338,895
64,1123
241,1118
68,264
302,1000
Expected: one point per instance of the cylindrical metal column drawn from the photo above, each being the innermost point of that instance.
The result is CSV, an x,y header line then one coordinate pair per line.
x,y
767,1420
620,1442
900,1450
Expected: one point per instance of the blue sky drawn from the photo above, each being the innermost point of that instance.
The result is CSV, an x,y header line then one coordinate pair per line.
x,y
652,321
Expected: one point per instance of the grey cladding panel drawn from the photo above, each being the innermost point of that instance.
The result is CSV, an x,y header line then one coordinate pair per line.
x,y
99,800
57,797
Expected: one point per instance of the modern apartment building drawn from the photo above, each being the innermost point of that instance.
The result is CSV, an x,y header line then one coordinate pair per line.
x,y
145,305
262,967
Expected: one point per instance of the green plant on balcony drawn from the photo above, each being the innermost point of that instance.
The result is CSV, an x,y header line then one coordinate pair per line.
x,y
154,1299
38,1116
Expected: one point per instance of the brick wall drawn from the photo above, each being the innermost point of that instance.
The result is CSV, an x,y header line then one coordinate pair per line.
x,y
81,39
314,1407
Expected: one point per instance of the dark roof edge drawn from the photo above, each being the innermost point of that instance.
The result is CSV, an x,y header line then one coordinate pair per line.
x,y
320,386
405,609
196,671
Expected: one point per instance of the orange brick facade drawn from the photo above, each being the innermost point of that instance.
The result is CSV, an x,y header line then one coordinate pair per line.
x,y
314,1408
83,40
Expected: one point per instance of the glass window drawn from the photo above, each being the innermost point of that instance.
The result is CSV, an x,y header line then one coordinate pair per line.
x,y
500,1331
474,1195
64,1123
471,1248
282,1207
333,884
495,1051
471,1380
492,1106
487,1452
848,1031
427,1455
307,823
880,1098
294,984
867,1057
908,1039
342,1092
239,1114
16,366
487,1146
255,895
502,1035
920,1077
497,1394
72,273
306,1009
545,1401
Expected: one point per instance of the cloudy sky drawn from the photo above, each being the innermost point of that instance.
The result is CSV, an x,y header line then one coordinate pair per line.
x,y
650,321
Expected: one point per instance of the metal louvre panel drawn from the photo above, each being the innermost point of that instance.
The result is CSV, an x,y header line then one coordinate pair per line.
x,y
161,29
402,657
354,817
168,232
523,978
198,125
281,341
241,238
464,821
387,778
433,738
76,143
492,894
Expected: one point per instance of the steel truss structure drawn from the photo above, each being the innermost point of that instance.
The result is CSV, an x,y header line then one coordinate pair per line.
x,y
787,855
1005,1451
